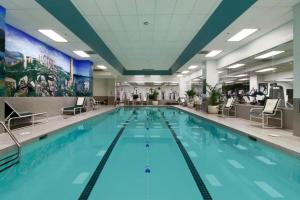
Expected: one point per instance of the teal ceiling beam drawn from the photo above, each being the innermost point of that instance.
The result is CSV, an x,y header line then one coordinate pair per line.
x,y
67,14
226,13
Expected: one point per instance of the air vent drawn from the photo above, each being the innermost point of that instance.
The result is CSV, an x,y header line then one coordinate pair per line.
x,y
90,52
203,52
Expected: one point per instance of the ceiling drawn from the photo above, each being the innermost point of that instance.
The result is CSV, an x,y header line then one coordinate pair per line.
x,y
172,25
279,12
282,62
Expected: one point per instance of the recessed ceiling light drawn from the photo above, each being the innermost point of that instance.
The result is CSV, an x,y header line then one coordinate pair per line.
x,y
241,75
213,53
101,67
220,72
155,76
52,35
139,76
269,54
193,66
243,79
242,34
266,70
185,72
82,54
179,75
236,66
229,82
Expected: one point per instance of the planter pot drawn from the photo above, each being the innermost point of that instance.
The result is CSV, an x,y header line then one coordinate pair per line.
x,y
190,105
213,109
155,103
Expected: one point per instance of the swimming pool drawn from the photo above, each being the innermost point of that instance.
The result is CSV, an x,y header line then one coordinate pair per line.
x,y
152,154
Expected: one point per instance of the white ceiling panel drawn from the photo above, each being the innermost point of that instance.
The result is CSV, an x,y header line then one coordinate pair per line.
x,y
172,25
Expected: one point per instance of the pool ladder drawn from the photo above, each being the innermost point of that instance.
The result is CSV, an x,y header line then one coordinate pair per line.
x,y
12,158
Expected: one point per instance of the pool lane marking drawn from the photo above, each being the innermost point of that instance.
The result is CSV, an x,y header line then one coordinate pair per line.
x,y
235,164
92,181
265,160
268,189
81,178
198,180
213,180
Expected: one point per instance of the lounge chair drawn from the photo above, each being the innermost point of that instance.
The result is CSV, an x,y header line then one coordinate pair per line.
x,y
182,101
95,103
79,107
10,113
198,102
229,107
269,111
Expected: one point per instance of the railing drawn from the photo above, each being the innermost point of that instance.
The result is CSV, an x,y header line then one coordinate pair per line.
x,y
26,116
13,159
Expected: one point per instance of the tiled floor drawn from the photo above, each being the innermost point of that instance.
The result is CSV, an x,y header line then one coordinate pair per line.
x,y
27,134
284,138
281,138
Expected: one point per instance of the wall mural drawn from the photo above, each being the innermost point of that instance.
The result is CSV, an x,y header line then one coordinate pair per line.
x,y
36,69
2,50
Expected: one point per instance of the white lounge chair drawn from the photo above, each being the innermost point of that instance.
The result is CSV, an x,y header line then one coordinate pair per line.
x,y
79,107
270,111
229,107
10,114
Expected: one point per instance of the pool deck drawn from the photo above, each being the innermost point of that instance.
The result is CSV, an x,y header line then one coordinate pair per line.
x,y
30,133
280,138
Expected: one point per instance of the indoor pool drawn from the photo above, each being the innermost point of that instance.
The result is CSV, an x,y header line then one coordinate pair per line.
x,y
148,153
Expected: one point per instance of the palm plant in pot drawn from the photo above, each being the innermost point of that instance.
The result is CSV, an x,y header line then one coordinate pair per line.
x,y
190,94
153,96
213,101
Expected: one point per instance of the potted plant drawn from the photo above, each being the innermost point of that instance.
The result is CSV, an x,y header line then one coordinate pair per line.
x,y
153,96
213,100
190,94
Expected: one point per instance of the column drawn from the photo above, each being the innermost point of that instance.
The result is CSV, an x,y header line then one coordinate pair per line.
x,y
212,76
296,101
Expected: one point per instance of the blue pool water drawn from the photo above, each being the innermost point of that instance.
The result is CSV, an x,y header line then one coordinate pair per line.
x,y
147,162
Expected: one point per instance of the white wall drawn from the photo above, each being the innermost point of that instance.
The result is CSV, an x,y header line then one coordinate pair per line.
x,y
103,87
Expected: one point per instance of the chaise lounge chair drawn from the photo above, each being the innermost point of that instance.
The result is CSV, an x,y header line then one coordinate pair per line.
x,y
270,111
10,113
79,107
229,107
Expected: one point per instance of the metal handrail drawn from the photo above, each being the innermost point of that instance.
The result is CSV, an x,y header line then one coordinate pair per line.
x,y
13,138
25,116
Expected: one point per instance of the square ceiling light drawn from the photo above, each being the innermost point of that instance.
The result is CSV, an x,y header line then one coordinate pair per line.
x,y
269,54
213,53
193,66
236,66
52,35
242,34
266,70
82,54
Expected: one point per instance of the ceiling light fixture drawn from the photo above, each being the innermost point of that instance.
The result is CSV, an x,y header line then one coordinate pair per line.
x,y
185,72
52,35
101,67
243,79
266,70
82,54
236,66
220,72
155,76
139,76
242,34
179,75
193,66
269,54
229,82
241,75
213,53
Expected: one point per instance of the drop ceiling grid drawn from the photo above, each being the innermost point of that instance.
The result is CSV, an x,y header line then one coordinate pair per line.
x,y
173,24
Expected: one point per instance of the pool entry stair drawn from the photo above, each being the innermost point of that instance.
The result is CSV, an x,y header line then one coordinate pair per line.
x,y
12,158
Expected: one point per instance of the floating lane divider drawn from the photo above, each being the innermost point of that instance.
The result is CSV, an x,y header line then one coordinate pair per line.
x,y
199,182
90,185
